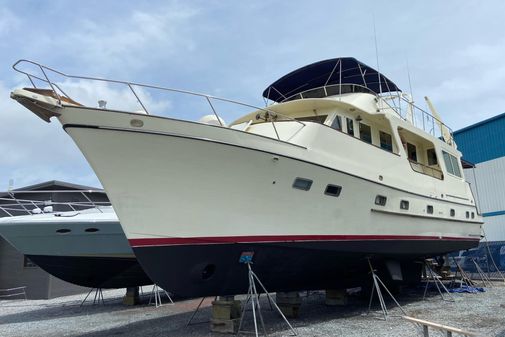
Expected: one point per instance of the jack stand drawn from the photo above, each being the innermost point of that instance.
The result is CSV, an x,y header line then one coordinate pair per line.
x,y
194,313
98,296
157,297
485,280
464,277
376,287
435,278
252,295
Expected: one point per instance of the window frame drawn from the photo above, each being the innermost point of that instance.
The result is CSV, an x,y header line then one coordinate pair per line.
x,y
362,126
299,187
338,187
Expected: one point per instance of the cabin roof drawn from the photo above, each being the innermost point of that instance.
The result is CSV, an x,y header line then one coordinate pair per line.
x,y
342,70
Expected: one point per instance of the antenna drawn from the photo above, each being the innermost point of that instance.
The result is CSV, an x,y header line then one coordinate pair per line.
x,y
377,54
410,83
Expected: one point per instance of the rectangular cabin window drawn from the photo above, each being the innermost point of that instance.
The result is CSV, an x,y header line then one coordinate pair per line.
x,y
350,126
404,204
316,119
381,200
453,212
386,141
333,190
337,123
365,133
432,157
429,209
411,152
302,184
451,162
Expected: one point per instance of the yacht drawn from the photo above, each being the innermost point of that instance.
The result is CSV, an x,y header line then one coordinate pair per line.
x,y
86,246
338,170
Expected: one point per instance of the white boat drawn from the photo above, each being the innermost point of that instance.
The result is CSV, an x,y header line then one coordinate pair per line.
x,y
86,247
337,171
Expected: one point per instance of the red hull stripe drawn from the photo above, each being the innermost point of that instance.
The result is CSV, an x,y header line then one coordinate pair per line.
x,y
282,239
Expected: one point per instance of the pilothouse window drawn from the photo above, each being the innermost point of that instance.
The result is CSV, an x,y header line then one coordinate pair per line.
x,y
411,152
432,157
350,126
386,141
337,123
452,164
365,133
316,119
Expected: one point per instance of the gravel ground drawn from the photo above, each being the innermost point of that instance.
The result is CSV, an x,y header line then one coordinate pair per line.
x,y
483,313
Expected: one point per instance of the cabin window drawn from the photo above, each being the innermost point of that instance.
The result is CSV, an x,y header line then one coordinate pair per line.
x,y
432,157
365,133
350,126
386,141
404,204
381,200
316,119
63,230
467,215
337,123
473,215
91,230
429,209
411,152
453,212
333,190
451,162
302,184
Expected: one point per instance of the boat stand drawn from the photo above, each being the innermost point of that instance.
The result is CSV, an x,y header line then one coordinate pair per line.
x,y
465,279
157,297
432,276
196,310
253,296
98,296
377,283
486,282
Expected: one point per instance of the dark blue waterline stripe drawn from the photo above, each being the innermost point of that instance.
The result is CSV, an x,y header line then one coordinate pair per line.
x,y
493,213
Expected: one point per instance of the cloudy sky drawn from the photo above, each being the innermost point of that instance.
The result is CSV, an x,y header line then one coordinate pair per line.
x,y
455,51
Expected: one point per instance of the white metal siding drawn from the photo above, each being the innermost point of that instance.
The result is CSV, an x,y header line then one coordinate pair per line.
x,y
487,180
494,227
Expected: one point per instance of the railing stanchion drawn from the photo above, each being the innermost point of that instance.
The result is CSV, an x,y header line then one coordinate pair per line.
x,y
214,110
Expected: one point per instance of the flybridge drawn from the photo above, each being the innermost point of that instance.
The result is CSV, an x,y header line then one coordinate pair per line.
x,y
337,71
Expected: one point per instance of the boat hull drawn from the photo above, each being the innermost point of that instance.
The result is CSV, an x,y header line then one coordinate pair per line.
x,y
211,193
211,269
94,272
85,248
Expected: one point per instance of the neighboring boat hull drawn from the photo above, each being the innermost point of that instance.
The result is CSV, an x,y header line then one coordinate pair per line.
x,y
87,248
94,272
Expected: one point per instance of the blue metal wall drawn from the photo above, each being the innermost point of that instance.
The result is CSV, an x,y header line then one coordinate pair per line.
x,y
482,141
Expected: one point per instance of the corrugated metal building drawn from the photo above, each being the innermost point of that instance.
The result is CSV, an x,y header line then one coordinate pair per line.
x,y
483,144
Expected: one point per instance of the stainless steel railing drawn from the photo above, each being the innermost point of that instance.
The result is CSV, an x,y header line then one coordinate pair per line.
x,y
45,78
13,206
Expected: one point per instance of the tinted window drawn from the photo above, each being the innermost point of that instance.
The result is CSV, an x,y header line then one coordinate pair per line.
x,y
316,119
333,190
350,126
365,133
386,141
380,200
411,152
432,157
404,204
453,212
302,184
337,123
429,209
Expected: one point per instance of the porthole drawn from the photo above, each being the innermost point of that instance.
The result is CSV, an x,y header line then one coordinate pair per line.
x,y
453,212
404,204
91,230
333,190
63,231
208,271
473,215
429,209
381,200
467,215
302,184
